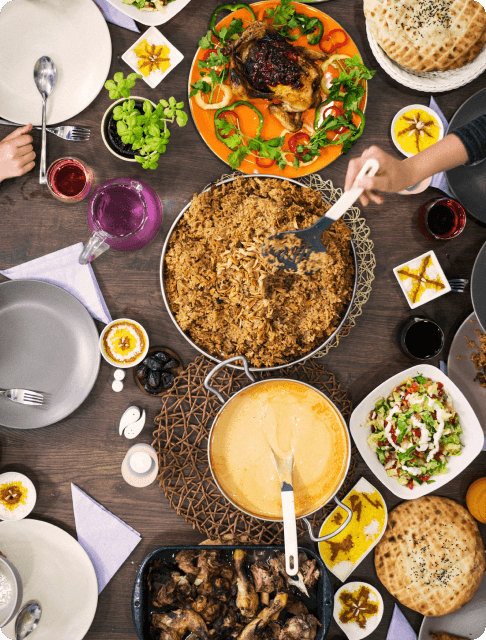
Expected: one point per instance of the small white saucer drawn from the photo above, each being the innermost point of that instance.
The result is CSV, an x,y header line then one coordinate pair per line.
x,y
28,501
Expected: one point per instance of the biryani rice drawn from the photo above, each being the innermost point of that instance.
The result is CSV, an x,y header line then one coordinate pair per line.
x,y
228,299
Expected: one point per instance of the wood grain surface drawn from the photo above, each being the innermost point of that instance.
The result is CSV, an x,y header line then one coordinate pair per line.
x,y
85,448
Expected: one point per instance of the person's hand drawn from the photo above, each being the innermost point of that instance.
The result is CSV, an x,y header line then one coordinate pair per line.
x,y
16,153
392,175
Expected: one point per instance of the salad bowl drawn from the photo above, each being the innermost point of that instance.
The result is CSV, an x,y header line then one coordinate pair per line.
x,y
472,437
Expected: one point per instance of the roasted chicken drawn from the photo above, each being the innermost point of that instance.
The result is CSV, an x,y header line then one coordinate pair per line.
x,y
219,595
263,64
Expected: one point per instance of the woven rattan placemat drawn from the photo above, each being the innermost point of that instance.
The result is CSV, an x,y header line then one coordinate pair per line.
x,y
181,442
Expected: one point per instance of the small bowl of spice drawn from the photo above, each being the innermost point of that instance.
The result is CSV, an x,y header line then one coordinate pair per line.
x,y
124,343
17,496
358,609
415,128
156,374
10,591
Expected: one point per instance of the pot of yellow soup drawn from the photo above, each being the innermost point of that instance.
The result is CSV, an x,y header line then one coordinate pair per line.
x,y
280,414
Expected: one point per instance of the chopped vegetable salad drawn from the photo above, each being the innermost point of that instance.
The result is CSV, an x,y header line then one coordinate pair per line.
x,y
414,430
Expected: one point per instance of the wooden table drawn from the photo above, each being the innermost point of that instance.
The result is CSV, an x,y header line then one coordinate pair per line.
x,y
85,448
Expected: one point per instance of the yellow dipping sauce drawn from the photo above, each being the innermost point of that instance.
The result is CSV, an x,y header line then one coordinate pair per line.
x,y
124,343
285,415
152,57
416,130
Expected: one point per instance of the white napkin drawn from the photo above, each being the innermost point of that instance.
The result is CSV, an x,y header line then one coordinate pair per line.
x,y
107,540
115,16
400,628
63,269
439,180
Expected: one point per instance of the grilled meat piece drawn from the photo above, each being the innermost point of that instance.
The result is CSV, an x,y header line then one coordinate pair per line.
x,y
247,599
185,560
208,608
262,577
300,628
264,65
176,624
253,629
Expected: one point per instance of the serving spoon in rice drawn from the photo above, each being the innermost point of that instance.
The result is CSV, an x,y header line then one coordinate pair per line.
x,y
301,250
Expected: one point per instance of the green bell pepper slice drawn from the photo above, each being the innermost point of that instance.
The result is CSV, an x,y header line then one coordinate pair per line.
x,y
228,7
361,126
231,107
314,38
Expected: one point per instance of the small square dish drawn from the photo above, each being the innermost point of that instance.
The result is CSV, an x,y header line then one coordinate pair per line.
x,y
150,18
472,437
153,56
422,279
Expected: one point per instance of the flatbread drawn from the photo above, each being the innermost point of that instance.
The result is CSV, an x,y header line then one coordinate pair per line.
x,y
427,35
431,556
445,636
470,55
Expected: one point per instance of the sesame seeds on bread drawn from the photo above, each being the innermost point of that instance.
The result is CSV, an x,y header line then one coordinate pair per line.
x,y
427,35
431,556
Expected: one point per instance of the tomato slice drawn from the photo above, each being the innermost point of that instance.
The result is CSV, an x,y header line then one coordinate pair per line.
x,y
261,161
207,53
296,140
410,484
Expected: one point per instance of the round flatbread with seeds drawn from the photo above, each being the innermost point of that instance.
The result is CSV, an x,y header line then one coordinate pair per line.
x,y
431,556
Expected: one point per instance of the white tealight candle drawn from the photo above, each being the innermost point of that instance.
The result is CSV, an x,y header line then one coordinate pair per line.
x,y
140,462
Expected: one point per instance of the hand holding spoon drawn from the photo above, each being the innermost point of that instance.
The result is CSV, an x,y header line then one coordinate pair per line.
x,y
27,619
45,74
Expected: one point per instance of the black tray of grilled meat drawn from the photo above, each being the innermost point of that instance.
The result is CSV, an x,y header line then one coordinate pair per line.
x,y
320,602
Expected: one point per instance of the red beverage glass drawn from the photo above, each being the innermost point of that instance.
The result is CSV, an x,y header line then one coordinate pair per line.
x,y
69,179
442,219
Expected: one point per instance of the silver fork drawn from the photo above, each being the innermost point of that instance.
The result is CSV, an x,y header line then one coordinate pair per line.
x,y
24,396
458,285
67,132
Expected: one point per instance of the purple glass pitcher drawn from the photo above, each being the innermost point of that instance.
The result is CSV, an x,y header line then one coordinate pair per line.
x,y
124,214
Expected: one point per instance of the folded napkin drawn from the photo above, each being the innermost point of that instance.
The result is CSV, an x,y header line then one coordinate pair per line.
x,y
115,16
107,540
439,180
63,269
400,628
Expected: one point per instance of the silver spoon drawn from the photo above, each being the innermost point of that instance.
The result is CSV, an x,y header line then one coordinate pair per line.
x,y
27,619
45,74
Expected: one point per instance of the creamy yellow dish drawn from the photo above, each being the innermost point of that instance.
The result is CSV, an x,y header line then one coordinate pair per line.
x,y
416,130
284,415
124,342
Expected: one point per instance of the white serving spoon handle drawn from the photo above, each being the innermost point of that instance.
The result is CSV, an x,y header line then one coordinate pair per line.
x,y
290,531
348,198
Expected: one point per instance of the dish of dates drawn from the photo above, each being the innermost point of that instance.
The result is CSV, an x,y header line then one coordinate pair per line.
x,y
156,374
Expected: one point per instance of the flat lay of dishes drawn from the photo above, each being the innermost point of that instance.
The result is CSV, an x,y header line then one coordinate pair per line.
x,y
291,340
270,101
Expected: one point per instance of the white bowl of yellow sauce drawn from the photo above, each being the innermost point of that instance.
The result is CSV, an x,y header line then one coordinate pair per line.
x,y
415,128
124,343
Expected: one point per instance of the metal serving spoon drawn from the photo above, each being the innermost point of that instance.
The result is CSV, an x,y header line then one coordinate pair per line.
x,y
27,619
45,74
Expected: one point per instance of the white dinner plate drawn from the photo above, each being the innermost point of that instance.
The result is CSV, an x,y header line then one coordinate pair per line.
x,y
472,438
56,571
468,622
71,32
151,18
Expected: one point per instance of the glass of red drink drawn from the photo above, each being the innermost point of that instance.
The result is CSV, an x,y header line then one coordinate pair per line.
x,y
442,219
69,179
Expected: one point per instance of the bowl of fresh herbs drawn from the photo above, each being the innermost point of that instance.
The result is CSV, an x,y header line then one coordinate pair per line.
x,y
136,129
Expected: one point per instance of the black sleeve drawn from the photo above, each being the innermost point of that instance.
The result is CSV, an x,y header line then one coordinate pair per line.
x,y
473,137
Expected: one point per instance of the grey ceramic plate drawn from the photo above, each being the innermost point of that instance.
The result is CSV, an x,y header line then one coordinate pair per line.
x,y
462,371
48,343
468,622
478,286
468,184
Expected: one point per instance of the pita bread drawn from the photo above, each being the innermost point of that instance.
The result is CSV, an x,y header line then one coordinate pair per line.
x,y
445,636
431,556
426,35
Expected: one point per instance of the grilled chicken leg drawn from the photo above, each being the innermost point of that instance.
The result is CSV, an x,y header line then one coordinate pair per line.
x,y
253,629
247,599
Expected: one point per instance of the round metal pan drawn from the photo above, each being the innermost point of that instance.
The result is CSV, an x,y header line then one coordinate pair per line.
x,y
48,343
212,357
478,287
